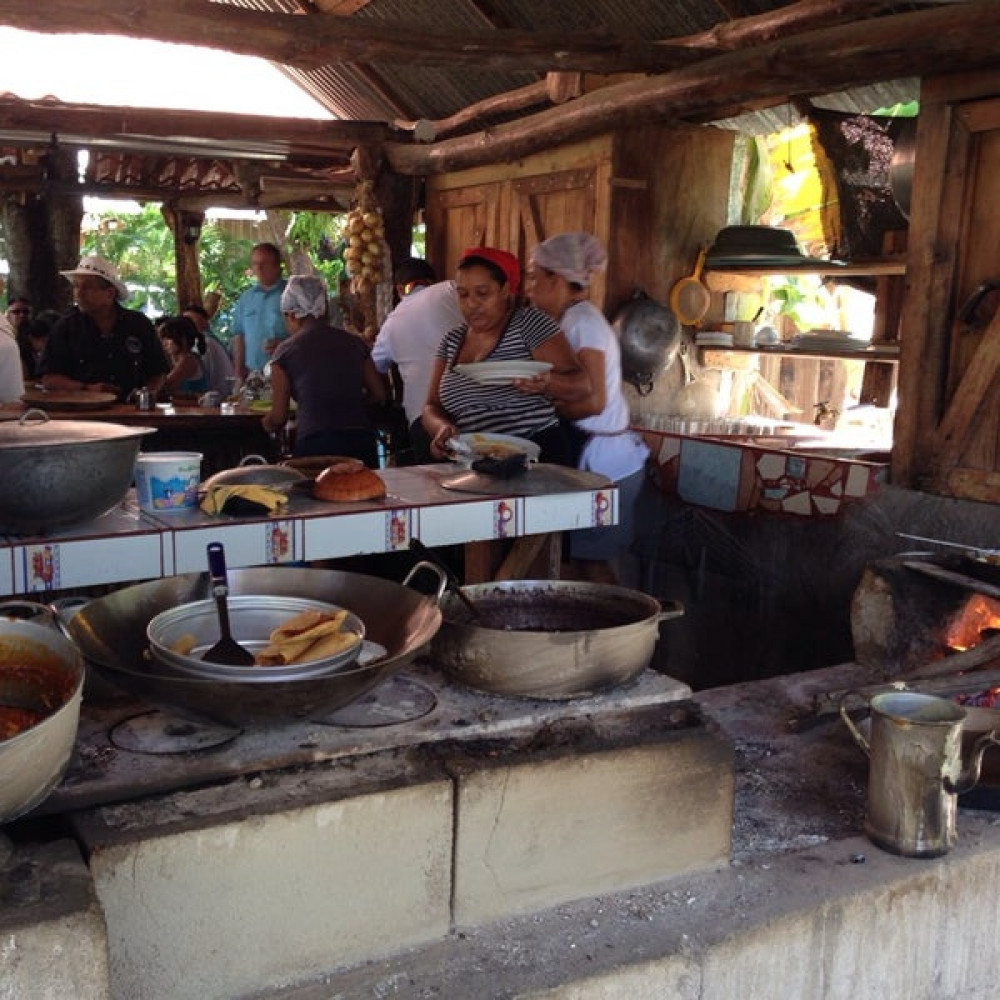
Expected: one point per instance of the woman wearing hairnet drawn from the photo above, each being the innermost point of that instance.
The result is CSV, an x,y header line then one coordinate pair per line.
x,y
558,283
330,375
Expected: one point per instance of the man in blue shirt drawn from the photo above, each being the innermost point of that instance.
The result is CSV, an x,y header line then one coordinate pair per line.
x,y
258,326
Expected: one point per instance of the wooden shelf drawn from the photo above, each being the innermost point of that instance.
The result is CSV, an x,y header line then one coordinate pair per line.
x,y
895,265
886,352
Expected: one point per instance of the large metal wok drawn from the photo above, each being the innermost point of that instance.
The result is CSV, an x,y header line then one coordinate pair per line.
x,y
111,633
550,639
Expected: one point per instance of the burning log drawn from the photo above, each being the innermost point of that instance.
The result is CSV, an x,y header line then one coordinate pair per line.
x,y
918,618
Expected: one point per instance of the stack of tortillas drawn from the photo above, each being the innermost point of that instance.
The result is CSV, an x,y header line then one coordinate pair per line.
x,y
310,635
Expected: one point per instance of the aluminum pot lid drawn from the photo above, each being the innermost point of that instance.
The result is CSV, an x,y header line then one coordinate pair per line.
x,y
35,428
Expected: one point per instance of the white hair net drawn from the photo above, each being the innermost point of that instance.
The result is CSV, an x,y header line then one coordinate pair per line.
x,y
304,295
573,256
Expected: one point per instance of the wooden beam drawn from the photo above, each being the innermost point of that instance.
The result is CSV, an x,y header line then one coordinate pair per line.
x,y
325,33
302,137
940,40
313,41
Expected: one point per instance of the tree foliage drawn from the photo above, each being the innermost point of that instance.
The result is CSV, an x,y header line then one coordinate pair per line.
x,y
141,245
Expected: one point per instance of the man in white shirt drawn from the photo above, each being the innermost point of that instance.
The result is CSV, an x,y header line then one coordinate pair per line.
x,y
409,338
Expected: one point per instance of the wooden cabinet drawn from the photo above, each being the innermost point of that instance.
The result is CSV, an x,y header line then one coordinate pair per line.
x,y
947,437
652,195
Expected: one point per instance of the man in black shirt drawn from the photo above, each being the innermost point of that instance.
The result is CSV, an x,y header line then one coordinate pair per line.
x,y
100,346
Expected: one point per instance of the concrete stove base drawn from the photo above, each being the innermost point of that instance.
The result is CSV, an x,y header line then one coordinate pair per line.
x,y
54,941
806,909
224,890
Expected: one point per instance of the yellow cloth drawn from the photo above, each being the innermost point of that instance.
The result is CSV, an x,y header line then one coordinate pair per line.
x,y
216,496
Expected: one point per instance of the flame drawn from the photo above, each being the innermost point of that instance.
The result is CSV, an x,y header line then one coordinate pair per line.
x,y
966,628
980,699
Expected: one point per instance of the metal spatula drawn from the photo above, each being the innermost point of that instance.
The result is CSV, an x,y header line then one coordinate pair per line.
x,y
227,650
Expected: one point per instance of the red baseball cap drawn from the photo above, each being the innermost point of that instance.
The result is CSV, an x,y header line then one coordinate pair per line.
x,y
507,263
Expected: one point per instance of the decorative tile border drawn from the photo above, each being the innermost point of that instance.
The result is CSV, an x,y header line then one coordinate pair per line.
x,y
737,476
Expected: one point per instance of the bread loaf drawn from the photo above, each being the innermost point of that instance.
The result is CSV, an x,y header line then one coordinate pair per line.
x,y
336,485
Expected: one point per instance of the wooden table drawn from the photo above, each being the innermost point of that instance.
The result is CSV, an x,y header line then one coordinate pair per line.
x,y
223,439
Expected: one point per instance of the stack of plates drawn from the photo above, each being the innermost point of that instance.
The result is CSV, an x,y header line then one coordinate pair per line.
x,y
761,246
713,338
826,340
502,372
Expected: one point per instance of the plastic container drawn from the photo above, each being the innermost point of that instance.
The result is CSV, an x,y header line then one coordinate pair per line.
x,y
167,481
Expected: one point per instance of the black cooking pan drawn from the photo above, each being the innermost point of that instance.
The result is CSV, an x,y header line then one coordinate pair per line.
x,y
111,633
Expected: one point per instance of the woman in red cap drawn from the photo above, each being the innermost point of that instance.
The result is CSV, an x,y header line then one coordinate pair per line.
x,y
496,328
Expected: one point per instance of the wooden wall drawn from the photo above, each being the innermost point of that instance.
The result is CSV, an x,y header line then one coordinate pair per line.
x,y
652,195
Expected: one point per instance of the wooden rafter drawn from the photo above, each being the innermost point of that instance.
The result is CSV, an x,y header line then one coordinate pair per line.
x,y
941,39
310,42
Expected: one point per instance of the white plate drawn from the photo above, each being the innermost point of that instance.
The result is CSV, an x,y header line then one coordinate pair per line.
x,y
714,340
502,372
480,444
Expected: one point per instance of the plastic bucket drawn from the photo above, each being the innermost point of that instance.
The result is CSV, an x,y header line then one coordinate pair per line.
x,y
167,481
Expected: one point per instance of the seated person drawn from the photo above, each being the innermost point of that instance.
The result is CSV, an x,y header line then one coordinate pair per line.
x,y
187,375
219,366
496,328
330,375
100,346
32,338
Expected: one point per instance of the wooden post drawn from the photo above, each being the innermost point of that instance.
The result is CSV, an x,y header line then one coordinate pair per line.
x,y
186,229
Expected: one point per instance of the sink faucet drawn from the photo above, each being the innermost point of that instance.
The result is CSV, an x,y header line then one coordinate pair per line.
x,y
824,411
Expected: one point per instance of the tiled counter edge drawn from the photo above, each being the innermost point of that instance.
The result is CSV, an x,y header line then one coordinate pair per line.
x,y
127,544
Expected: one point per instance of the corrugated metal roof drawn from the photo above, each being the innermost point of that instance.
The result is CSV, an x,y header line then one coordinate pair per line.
x,y
385,92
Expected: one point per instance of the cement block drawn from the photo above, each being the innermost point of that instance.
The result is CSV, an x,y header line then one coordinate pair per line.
x,y
54,944
634,802
217,903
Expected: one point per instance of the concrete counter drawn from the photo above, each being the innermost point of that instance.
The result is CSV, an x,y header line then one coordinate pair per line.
x,y
808,909
805,906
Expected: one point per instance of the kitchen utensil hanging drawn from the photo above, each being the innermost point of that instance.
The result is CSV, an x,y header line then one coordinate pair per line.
x,y
689,298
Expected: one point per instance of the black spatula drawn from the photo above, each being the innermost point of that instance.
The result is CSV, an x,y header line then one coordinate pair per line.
x,y
227,650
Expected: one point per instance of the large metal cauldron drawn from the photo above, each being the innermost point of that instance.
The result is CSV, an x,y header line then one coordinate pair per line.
x,y
59,472
551,639
111,633
41,672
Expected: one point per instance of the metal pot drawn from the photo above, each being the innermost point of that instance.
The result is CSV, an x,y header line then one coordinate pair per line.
x,y
111,633
649,335
59,472
42,672
901,165
254,470
551,639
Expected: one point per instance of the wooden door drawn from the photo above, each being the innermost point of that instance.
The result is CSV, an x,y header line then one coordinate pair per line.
x,y
459,218
544,206
948,422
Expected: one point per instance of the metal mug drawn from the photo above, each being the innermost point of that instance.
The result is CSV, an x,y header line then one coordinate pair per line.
x,y
915,770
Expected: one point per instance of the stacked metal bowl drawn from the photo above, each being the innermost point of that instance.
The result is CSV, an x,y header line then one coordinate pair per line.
x,y
194,628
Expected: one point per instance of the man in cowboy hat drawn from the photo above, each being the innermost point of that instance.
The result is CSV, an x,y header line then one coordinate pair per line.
x,y
100,346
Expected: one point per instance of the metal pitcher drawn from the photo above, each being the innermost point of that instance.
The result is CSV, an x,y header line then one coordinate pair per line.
x,y
915,770
143,398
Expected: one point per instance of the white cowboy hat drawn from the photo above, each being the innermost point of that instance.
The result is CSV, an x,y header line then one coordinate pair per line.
x,y
101,268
